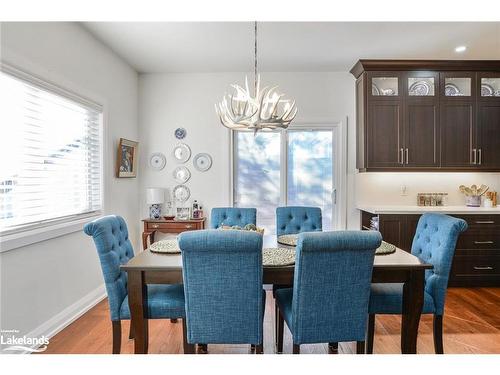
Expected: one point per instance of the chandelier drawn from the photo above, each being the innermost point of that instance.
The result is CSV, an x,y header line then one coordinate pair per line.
x,y
265,109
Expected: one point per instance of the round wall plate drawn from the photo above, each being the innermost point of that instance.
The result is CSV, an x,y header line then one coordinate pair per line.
x,y
157,161
181,193
181,174
182,153
202,162
180,133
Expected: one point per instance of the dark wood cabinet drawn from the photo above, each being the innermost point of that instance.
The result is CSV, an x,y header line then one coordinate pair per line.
x,y
427,115
477,255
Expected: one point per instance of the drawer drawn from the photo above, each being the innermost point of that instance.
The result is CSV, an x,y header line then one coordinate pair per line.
x,y
476,266
483,239
481,221
172,227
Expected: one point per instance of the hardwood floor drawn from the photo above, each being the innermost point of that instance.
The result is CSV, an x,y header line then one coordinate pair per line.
x,y
471,325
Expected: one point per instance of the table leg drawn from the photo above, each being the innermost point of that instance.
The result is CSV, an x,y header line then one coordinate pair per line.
x,y
413,300
145,236
137,296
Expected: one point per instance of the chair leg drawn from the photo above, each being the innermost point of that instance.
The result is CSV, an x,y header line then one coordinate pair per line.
x,y
280,329
131,332
296,349
203,348
438,334
188,348
117,336
333,348
370,334
259,349
360,347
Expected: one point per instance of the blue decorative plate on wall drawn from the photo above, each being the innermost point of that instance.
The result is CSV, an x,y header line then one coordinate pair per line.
x,y
180,133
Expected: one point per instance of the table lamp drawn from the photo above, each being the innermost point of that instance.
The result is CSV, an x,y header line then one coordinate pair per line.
x,y
155,197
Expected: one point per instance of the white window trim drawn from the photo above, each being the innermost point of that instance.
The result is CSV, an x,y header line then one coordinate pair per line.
x,y
34,233
340,177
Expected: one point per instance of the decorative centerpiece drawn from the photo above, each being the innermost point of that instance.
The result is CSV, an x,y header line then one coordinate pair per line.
x,y
473,194
248,227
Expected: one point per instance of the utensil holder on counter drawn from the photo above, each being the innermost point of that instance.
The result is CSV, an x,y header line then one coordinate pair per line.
x,y
473,200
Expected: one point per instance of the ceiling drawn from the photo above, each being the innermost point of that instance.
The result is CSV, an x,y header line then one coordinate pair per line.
x,y
161,47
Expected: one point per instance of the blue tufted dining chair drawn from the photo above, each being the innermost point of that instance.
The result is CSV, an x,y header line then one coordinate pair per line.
x,y
222,273
298,219
329,299
434,243
232,216
111,239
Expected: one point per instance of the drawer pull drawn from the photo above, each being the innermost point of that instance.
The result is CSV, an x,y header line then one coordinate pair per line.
x,y
155,226
188,226
483,242
485,222
486,268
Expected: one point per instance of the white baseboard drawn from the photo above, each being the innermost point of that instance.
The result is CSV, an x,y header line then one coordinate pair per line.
x,y
56,324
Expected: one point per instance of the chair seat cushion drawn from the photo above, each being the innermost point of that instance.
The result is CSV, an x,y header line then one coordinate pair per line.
x,y
388,299
164,302
284,299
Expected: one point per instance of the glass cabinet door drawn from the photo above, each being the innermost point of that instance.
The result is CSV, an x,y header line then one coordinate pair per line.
x,y
490,87
421,86
385,86
457,86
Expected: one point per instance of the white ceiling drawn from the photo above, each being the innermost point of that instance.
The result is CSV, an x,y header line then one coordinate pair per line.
x,y
289,46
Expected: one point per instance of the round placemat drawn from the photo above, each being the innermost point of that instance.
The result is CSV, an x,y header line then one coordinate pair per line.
x,y
385,248
165,247
288,239
277,257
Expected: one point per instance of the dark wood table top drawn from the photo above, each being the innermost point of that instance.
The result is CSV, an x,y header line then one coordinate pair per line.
x,y
148,261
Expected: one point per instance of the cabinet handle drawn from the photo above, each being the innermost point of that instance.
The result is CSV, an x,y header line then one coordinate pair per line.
x,y
479,151
401,151
155,226
485,268
474,156
485,222
483,242
406,151
188,226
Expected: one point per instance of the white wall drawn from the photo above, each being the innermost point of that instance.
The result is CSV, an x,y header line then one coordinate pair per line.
x,y
49,280
168,101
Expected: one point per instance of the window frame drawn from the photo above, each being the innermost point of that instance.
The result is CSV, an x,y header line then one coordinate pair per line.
x,y
339,129
30,233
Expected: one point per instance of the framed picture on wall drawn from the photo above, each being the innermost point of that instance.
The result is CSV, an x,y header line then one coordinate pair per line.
x,y
126,162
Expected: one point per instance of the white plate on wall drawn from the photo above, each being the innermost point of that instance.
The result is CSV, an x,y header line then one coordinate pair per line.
x,y
181,174
202,162
182,153
181,193
157,161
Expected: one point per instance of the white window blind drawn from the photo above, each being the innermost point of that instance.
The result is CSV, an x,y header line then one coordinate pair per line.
x,y
50,154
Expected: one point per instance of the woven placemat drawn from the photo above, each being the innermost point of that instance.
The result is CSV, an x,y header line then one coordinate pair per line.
x,y
385,248
288,239
165,247
277,257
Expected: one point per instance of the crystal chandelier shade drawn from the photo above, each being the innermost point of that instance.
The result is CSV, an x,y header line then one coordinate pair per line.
x,y
266,109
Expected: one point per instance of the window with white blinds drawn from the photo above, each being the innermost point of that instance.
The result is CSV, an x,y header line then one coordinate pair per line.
x,y
50,154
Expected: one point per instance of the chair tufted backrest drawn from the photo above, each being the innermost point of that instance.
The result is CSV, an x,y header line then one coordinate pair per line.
x,y
110,236
298,219
434,243
232,216
222,273
333,272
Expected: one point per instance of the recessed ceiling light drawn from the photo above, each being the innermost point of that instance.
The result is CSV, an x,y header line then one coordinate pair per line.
x,y
460,49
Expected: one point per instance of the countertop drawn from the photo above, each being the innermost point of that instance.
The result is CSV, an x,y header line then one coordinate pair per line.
x,y
459,210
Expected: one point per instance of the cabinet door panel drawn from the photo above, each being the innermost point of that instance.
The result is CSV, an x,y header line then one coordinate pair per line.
x,y
384,135
457,134
488,135
421,135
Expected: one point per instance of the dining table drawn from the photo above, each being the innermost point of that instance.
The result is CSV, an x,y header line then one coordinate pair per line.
x,y
149,267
